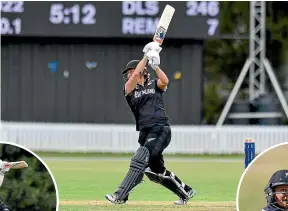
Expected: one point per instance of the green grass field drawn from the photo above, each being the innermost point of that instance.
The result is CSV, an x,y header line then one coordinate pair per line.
x,y
83,183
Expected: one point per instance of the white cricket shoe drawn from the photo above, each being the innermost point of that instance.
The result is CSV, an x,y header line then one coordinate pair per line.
x,y
183,201
113,199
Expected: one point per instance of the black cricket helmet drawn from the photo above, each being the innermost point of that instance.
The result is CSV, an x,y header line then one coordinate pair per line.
x,y
132,65
277,179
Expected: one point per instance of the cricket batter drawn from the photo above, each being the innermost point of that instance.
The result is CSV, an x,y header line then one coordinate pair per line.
x,y
144,96
277,192
3,169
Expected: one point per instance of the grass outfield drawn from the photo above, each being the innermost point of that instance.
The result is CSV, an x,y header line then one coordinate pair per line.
x,y
82,185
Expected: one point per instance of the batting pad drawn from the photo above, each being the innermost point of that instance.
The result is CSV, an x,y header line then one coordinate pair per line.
x,y
169,181
135,173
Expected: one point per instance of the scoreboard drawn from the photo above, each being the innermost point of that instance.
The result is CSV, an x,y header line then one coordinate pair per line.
x,y
116,19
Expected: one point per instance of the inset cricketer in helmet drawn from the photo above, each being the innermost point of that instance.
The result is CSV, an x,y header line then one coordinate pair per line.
x,y
277,192
130,67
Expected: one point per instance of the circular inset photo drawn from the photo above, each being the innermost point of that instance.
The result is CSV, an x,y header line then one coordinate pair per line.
x,y
26,183
264,183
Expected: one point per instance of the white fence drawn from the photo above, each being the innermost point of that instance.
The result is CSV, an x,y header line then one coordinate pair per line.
x,y
123,138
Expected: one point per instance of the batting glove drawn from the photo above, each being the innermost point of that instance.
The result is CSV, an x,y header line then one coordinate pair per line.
x,y
4,167
152,46
153,58
153,66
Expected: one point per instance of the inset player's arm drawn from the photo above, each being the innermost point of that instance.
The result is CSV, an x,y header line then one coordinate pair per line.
x,y
1,178
3,169
163,80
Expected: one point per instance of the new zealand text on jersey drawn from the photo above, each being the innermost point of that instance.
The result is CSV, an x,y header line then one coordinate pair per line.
x,y
144,92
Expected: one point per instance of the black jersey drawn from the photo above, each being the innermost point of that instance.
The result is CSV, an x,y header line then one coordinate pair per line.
x,y
146,103
272,208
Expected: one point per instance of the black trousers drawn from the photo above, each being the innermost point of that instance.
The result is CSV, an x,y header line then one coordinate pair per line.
x,y
156,139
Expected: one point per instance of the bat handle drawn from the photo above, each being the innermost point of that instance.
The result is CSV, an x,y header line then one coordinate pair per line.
x,y
159,41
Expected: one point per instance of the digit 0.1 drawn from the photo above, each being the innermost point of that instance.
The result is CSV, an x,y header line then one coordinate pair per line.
x,y
10,26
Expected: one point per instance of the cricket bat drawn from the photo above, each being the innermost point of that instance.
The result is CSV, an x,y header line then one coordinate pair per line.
x,y
18,165
163,24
